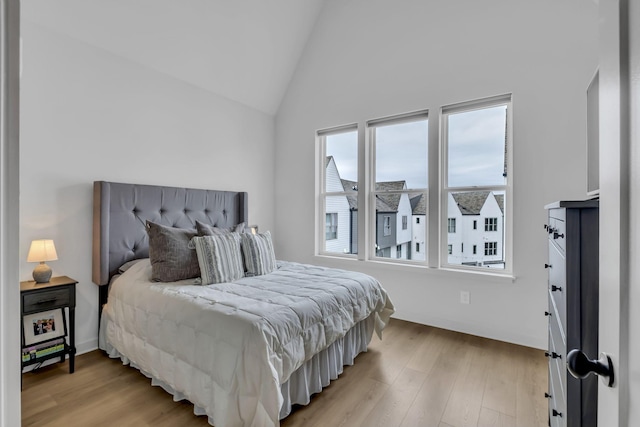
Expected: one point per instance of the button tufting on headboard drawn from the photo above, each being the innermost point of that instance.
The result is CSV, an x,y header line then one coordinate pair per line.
x,y
121,210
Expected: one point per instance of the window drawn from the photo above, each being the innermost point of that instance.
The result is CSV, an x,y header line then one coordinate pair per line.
x,y
373,187
490,248
338,149
491,224
331,228
476,141
398,186
387,226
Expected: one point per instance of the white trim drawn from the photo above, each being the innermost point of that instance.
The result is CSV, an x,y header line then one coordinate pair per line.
x,y
10,409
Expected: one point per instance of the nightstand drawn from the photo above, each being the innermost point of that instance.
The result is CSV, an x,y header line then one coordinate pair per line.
x,y
44,327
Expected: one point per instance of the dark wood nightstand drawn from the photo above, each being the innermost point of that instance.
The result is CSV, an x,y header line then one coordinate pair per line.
x,y
42,307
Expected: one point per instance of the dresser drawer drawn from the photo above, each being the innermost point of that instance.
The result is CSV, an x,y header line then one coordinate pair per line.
x,y
558,228
557,283
39,301
556,401
556,332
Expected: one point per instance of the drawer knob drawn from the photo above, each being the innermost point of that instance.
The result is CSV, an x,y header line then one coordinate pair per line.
x,y
580,366
547,395
547,265
556,413
552,355
556,235
546,313
551,230
555,288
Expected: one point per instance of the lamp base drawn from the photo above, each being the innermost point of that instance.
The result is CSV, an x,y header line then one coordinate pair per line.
x,y
42,273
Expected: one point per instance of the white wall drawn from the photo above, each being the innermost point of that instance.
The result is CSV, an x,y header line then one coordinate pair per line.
x,y
87,114
368,59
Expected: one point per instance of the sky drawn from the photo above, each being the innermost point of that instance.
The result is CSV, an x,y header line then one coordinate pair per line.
x,y
476,150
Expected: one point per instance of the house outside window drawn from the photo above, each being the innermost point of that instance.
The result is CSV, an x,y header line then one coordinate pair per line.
x,y
399,251
404,222
331,226
491,224
475,249
418,220
475,224
417,247
451,225
450,249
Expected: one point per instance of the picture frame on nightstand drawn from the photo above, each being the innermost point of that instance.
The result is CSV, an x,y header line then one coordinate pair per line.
x,y
43,326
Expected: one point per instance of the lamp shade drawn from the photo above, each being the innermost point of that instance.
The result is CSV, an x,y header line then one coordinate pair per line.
x,y
42,250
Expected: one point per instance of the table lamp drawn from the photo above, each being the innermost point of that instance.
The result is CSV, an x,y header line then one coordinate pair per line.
x,y
41,251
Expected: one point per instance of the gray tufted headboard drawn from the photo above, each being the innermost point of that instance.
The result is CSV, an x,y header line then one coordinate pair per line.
x,y
120,212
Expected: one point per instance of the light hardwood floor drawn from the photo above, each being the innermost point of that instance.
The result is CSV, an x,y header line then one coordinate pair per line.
x,y
416,376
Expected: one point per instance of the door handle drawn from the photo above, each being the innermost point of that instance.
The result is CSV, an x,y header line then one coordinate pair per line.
x,y
580,366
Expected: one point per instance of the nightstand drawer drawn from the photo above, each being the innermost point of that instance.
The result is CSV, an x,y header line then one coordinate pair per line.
x,y
40,301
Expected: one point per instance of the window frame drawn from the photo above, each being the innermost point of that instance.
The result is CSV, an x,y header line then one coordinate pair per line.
x,y
370,170
434,247
323,194
507,188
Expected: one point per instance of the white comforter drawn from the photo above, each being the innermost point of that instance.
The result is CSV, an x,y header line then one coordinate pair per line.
x,y
228,347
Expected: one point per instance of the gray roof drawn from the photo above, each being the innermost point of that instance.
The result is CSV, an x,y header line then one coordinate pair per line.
x,y
384,202
390,201
470,202
327,160
350,186
418,204
500,200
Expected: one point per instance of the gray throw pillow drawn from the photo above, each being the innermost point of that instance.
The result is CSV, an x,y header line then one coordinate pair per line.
x,y
169,253
210,230
259,256
219,257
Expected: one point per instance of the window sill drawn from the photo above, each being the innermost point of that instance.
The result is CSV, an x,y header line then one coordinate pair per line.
x,y
347,262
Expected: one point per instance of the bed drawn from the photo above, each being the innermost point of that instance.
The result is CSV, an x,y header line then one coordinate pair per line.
x,y
243,351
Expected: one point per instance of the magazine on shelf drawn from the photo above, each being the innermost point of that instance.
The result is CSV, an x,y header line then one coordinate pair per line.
x,y
42,349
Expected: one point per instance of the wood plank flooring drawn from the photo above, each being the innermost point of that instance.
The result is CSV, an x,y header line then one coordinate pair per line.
x,y
416,376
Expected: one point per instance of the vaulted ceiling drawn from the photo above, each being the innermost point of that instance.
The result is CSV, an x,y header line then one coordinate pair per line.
x,y
244,50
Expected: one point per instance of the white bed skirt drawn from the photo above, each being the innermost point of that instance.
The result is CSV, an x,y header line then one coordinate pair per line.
x,y
307,380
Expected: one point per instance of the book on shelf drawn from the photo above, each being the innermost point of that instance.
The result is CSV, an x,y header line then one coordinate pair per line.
x,y
43,349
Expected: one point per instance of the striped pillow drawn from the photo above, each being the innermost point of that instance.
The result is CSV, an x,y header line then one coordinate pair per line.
x,y
219,258
259,256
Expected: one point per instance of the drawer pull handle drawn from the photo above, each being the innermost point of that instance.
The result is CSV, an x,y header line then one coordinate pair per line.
x,y
551,230
552,355
44,301
556,235
556,413
546,313
547,266
555,288
547,395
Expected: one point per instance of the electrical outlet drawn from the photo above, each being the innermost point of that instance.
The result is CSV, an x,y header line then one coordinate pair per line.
x,y
464,297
